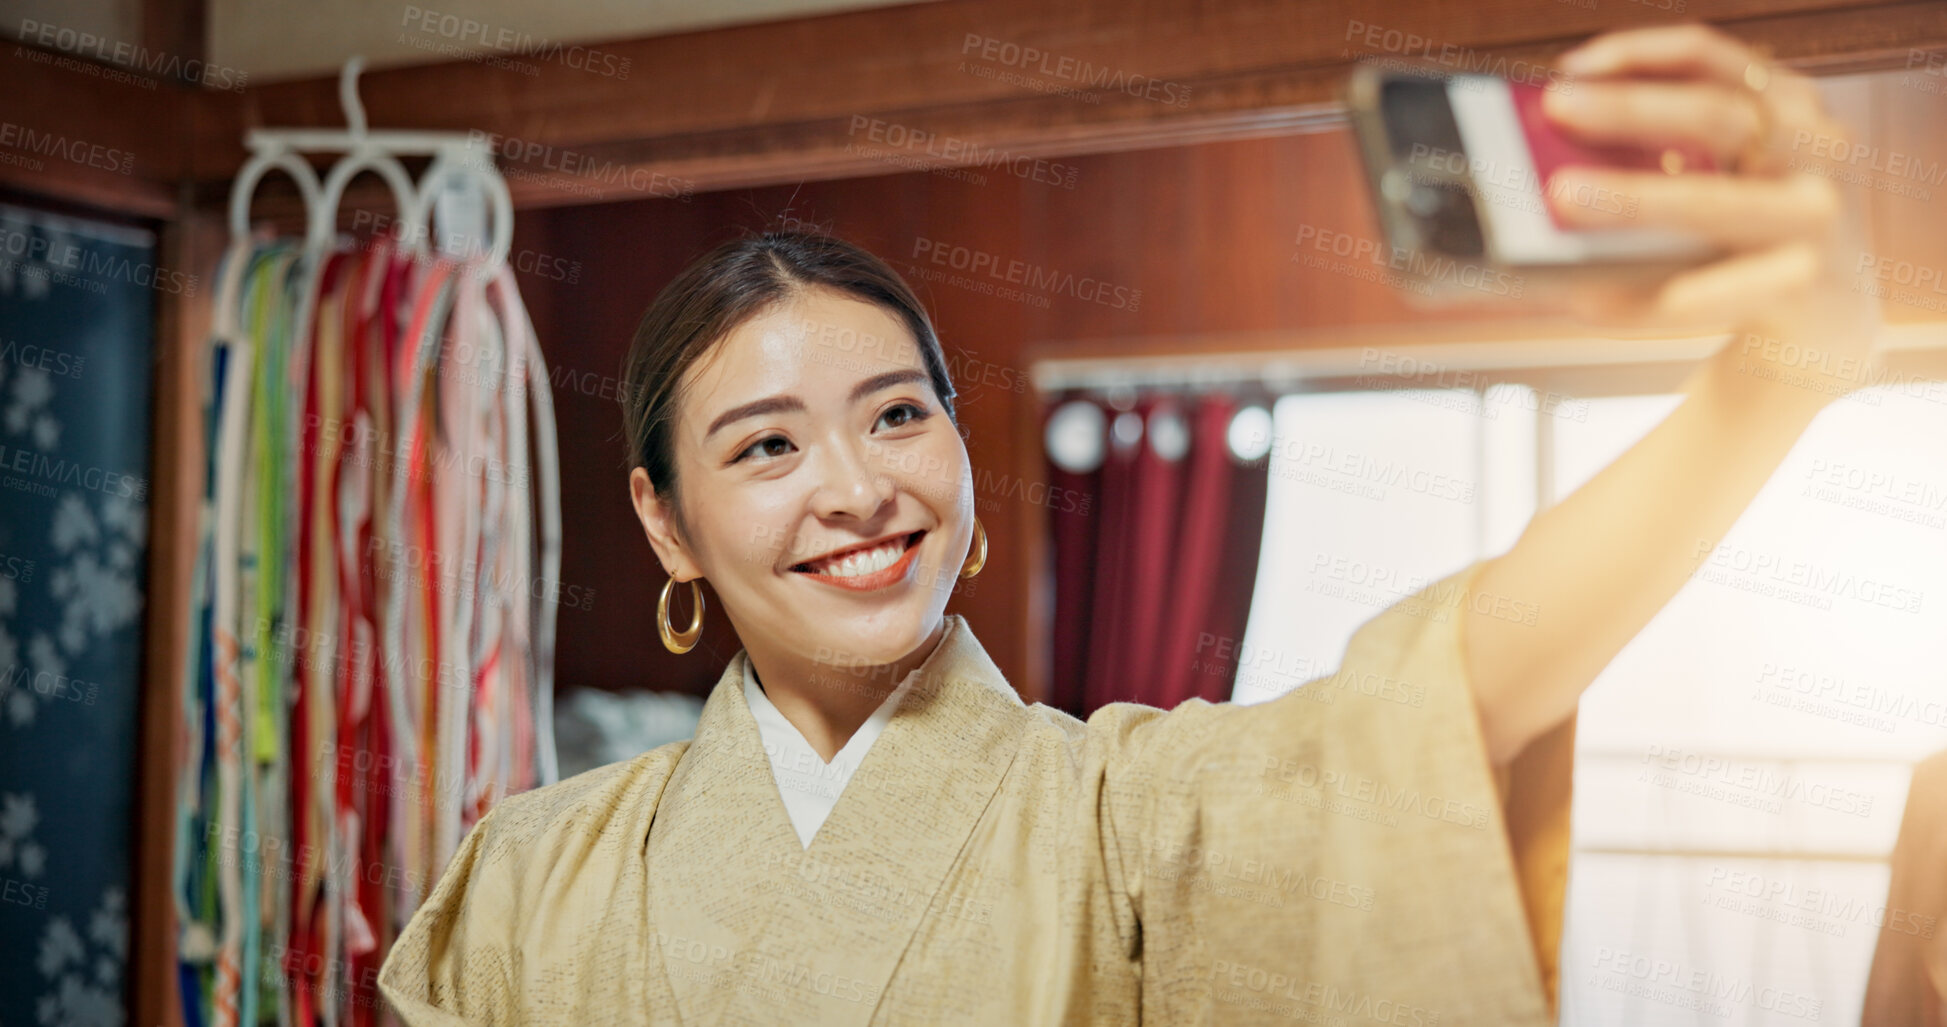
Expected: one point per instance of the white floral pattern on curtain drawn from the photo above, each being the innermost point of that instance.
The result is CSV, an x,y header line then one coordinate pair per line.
x,y
77,302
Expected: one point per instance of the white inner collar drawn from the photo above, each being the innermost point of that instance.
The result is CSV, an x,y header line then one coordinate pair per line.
x,y
809,786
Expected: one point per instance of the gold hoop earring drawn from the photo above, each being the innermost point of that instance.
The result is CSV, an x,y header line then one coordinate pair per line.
x,y
978,558
680,643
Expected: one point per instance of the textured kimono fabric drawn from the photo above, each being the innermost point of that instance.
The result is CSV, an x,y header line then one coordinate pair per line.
x,y
1335,856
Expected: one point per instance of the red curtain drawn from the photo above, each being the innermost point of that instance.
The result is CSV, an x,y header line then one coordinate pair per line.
x,y
1155,561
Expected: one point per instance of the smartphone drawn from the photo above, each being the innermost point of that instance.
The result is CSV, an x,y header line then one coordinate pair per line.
x,y
1460,167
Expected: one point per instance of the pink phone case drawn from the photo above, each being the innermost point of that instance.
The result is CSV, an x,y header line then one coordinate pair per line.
x,y
1552,149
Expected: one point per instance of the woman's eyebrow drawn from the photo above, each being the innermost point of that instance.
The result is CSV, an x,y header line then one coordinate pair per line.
x,y
767,405
886,381
780,403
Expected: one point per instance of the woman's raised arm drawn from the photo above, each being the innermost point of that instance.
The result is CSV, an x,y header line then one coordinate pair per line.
x,y
1601,563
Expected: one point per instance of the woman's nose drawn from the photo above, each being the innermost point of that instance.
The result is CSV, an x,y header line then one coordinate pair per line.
x,y
850,483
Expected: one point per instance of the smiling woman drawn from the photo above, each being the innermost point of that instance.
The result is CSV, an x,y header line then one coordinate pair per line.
x,y
870,826
824,492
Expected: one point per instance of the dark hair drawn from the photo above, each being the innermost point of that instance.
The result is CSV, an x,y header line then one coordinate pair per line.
x,y
726,287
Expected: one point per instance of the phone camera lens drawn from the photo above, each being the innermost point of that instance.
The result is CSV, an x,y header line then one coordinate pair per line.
x,y
1425,200
1396,185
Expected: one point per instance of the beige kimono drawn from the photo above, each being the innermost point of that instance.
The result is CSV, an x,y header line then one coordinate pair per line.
x,y
1335,856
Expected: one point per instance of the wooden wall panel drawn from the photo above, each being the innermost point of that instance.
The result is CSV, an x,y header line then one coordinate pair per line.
x,y
194,242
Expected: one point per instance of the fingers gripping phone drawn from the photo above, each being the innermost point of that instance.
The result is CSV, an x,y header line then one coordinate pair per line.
x,y
1460,170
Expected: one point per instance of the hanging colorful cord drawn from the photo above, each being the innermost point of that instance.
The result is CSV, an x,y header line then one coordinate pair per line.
x,y
374,609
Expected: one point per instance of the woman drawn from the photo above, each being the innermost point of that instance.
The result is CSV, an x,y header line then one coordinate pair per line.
x,y
792,434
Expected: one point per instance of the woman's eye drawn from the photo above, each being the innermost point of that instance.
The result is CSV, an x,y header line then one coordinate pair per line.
x,y
902,414
769,446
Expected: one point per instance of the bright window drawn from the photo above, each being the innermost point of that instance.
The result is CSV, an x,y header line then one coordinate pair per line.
x,y
1742,765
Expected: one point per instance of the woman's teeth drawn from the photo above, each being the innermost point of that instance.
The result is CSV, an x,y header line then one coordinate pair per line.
x,y
851,565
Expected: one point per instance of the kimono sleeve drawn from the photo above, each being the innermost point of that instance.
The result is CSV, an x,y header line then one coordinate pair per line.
x,y
540,918
1338,854
453,964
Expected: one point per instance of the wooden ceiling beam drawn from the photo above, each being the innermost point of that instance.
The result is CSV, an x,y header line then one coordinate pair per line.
x,y
898,88
90,133
881,90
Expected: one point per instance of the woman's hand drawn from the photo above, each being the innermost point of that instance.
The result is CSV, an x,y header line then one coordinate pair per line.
x,y
1599,564
1791,237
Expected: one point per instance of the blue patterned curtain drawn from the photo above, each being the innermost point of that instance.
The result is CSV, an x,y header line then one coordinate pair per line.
x,y
77,301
